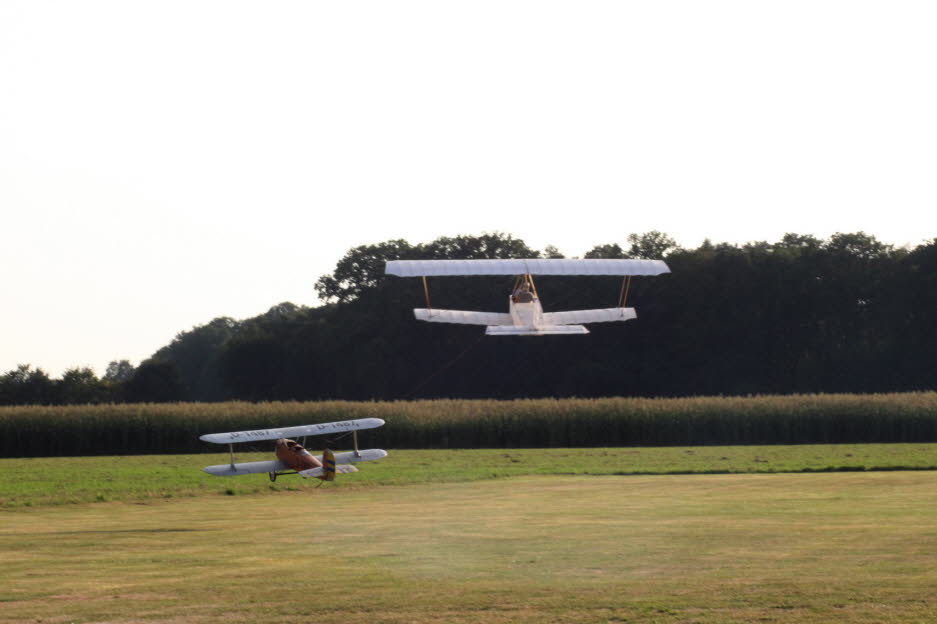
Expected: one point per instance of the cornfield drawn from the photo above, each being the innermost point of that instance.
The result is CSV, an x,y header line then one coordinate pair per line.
x,y
37,431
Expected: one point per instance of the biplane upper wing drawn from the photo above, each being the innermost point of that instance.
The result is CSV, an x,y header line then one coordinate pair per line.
x,y
462,317
292,432
529,266
573,317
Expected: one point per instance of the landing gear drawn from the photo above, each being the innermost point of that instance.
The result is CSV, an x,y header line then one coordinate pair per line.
x,y
273,475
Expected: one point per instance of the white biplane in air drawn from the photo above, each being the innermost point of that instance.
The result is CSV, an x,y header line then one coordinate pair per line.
x,y
525,315
292,457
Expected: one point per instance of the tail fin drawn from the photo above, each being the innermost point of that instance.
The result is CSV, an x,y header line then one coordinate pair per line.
x,y
328,465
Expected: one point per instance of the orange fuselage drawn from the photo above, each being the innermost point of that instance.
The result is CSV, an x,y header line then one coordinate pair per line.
x,y
295,456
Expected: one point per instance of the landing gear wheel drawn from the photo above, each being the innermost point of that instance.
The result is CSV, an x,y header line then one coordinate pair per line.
x,y
273,476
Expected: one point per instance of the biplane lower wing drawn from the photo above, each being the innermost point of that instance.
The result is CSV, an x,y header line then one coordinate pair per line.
x,y
605,315
462,317
347,457
227,470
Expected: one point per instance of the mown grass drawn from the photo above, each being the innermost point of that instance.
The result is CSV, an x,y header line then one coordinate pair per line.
x,y
174,428
795,548
34,482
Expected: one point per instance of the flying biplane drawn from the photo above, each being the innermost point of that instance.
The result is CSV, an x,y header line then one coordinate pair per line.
x,y
525,316
292,457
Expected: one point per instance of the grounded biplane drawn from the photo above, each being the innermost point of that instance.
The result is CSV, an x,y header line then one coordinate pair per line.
x,y
525,315
292,457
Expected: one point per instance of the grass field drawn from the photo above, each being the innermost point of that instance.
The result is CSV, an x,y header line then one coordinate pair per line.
x,y
798,548
54,481
665,535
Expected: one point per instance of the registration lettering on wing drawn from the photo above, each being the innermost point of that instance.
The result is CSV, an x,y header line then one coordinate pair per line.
x,y
260,433
343,424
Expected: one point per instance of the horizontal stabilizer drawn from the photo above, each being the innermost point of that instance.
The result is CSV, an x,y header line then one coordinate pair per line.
x,y
349,457
317,472
292,432
462,317
546,330
605,315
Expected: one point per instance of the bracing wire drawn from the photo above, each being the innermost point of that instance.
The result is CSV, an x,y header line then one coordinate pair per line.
x,y
445,366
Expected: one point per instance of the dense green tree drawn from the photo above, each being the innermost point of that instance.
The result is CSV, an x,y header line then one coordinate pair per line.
x,y
605,251
81,385
651,245
847,313
155,382
26,385
195,353
915,318
361,269
799,315
118,372
489,245
550,251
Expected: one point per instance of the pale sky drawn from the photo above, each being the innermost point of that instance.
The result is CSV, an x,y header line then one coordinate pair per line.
x,y
164,163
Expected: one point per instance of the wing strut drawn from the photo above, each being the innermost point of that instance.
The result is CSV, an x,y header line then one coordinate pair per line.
x,y
623,294
426,292
231,450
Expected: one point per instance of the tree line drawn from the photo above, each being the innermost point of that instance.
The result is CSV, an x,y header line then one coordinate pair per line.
x,y
801,315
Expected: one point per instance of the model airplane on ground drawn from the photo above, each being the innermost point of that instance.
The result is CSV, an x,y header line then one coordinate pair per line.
x,y
292,457
525,315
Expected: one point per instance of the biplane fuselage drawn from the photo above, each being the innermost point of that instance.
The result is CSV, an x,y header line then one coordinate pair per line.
x,y
527,319
295,456
526,314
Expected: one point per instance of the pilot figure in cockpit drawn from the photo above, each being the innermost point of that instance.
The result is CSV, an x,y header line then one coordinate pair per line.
x,y
522,294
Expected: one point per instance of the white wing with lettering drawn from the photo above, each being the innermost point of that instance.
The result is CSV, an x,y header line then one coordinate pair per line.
x,y
292,432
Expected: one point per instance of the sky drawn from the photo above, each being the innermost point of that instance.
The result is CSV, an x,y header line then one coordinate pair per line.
x,y
165,163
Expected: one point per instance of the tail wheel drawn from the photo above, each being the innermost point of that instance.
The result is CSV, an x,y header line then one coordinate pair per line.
x,y
273,476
